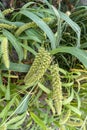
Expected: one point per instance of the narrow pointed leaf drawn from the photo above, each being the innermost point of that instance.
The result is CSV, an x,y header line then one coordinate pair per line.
x,y
15,44
80,54
42,25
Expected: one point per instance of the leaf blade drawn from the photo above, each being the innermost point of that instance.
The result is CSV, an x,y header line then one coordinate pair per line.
x,y
42,25
80,54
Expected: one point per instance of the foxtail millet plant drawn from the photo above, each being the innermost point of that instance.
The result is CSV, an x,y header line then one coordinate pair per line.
x,y
57,88
39,67
4,50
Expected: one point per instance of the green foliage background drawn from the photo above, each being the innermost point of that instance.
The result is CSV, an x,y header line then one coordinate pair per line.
x,y
43,68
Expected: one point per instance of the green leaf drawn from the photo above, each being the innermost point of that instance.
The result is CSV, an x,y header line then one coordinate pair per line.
x,y
35,35
74,109
28,48
23,105
80,54
27,5
78,99
4,112
46,90
69,99
14,43
42,25
16,67
16,122
73,25
7,93
38,121
68,84
59,27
